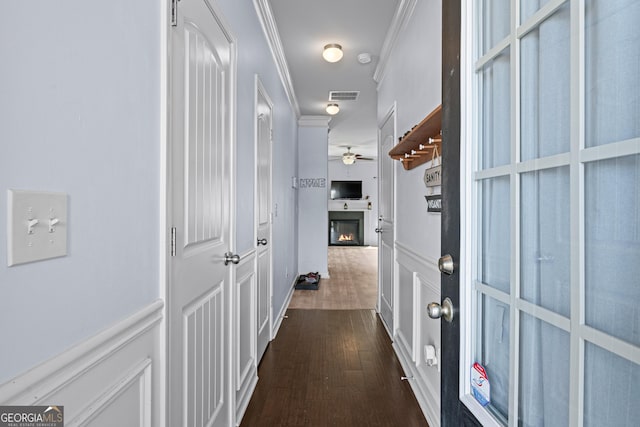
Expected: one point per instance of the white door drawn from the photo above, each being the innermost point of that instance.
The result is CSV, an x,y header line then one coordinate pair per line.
x,y
200,210
264,109
554,203
385,230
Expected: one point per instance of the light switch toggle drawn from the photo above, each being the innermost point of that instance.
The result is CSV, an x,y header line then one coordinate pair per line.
x,y
31,223
52,224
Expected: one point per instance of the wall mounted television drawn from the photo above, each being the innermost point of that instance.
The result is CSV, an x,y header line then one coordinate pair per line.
x,y
346,190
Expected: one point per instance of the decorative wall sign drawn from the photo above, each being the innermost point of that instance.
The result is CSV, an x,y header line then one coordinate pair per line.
x,y
433,176
312,183
434,203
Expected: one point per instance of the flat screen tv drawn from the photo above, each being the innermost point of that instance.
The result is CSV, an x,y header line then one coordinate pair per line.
x,y
349,190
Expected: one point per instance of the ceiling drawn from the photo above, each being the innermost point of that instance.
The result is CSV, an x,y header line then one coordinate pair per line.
x,y
304,28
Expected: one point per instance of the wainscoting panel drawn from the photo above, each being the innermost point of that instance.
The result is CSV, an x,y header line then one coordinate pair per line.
x,y
113,378
405,307
246,332
203,359
419,284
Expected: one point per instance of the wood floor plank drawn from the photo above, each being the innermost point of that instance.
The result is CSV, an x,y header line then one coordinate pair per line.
x,y
353,282
332,368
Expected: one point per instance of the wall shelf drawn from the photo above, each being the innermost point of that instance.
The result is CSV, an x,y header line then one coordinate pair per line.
x,y
417,146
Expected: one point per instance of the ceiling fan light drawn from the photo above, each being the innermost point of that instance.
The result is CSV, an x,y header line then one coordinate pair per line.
x,y
349,160
332,52
332,109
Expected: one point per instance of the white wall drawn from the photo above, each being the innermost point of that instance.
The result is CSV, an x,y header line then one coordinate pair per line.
x,y
413,81
367,172
80,114
312,198
254,57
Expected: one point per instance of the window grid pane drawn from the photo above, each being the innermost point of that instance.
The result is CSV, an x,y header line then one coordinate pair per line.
x,y
544,374
612,67
545,239
544,88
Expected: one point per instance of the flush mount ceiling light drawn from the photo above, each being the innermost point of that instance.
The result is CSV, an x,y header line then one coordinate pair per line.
x,y
332,52
332,109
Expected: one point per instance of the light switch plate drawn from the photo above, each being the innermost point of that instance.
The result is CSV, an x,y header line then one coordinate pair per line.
x,y
36,226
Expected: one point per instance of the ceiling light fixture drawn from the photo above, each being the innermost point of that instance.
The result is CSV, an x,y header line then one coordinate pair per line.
x,y
348,158
332,52
332,109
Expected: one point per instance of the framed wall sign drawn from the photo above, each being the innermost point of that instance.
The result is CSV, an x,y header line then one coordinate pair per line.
x,y
434,203
433,176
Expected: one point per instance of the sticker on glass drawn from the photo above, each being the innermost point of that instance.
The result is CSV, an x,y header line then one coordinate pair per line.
x,y
480,386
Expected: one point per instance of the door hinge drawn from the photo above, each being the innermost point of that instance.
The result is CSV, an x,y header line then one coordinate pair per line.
x,y
174,13
172,249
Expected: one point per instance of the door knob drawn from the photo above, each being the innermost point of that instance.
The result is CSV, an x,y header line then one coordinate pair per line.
x,y
262,242
436,311
230,257
379,230
445,264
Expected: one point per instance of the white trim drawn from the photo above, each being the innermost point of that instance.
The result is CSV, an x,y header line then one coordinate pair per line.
x,y
163,208
141,375
270,29
398,24
245,377
246,278
314,121
423,394
49,377
427,267
261,91
283,310
468,160
390,115
89,377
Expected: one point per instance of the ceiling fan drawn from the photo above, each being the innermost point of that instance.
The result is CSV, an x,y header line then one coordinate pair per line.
x,y
349,158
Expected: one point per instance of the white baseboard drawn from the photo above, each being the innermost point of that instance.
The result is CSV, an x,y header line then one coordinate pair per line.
x,y
277,321
431,413
115,375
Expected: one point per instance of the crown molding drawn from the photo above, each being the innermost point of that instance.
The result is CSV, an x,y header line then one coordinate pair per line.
x,y
398,24
268,22
314,121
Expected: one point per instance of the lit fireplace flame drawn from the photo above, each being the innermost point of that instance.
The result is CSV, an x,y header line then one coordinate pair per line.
x,y
345,238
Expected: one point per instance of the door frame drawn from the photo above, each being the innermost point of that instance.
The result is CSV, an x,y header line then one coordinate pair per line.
x,y
166,195
261,91
390,115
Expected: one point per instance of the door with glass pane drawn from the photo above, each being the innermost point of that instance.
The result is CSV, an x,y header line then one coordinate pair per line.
x,y
551,209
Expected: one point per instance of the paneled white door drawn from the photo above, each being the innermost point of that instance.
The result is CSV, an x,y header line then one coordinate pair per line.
x,y
386,255
199,208
264,109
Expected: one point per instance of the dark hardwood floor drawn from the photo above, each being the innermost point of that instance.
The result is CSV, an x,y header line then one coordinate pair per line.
x,y
332,368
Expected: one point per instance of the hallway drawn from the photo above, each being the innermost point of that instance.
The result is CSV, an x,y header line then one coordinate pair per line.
x,y
332,368
353,283
332,363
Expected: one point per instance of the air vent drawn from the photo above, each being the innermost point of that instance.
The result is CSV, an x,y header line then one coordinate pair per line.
x,y
343,95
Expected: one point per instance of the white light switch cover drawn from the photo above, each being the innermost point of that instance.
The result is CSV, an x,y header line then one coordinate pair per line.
x,y
36,226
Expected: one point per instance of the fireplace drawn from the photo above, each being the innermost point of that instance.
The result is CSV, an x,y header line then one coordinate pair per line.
x,y
346,228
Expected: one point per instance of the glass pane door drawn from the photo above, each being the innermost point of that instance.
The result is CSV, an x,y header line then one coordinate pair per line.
x,y
555,211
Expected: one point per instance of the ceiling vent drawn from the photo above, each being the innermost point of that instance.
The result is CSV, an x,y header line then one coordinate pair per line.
x,y
343,95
